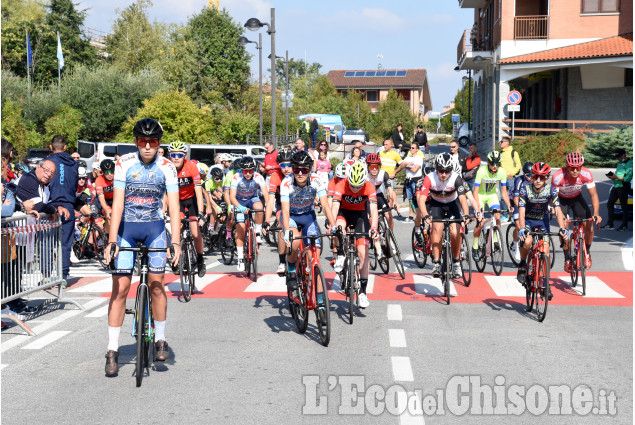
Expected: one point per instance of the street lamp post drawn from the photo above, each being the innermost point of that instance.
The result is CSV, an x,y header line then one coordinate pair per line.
x,y
254,24
243,41
286,98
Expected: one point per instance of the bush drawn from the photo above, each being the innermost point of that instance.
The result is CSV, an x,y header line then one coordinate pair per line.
x,y
599,151
551,149
235,125
66,122
17,130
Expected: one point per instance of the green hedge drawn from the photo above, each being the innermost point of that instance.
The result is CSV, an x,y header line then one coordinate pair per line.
x,y
551,149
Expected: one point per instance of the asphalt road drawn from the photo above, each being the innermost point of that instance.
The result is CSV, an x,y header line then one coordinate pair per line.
x,y
236,355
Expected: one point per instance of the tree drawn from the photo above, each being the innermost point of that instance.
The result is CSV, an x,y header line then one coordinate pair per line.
x,y
390,112
297,68
66,122
17,130
236,125
600,150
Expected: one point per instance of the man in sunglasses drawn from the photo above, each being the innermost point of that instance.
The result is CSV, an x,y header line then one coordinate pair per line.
x,y
413,163
104,186
485,192
190,196
568,181
283,161
142,179
243,195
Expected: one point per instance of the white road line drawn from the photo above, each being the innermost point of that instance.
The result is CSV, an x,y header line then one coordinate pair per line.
x,y
45,340
174,285
595,288
428,285
394,312
401,369
397,338
100,312
2,366
408,417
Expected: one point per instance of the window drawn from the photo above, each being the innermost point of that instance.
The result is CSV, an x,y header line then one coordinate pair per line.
x,y
85,150
371,96
600,6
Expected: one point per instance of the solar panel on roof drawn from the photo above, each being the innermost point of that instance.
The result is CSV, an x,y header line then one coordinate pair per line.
x,y
370,73
391,73
401,73
360,73
349,74
380,74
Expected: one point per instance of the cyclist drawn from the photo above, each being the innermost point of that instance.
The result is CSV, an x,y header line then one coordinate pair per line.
x,y
350,197
444,186
85,191
141,180
214,192
104,188
518,181
275,180
227,182
534,199
569,181
243,195
486,193
190,196
225,162
298,193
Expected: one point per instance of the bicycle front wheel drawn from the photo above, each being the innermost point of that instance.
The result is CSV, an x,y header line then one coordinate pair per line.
x,y
394,252
300,313
552,251
323,311
254,255
351,287
418,250
498,255
466,262
482,258
185,266
542,290
573,254
582,263
141,325
226,247
509,242
99,245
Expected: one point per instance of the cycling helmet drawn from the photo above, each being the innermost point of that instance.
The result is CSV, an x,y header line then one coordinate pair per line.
x,y
223,157
357,174
148,127
575,159
236,164
217,173
248,163
22,167
81,163
177,146
340,171
82,173
494,156
107,165
284,156
456,167
444,161
96,166
527,166
202,168
541,169
373,158
427,170
301,159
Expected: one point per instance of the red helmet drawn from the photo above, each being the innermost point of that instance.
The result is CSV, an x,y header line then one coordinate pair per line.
x,y
575,159
373,158
541,169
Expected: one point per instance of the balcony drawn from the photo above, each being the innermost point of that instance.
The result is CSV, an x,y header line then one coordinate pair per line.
x,y
531,27
469,48
472,4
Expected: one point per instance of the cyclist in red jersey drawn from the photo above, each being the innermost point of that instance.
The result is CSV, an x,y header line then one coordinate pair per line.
x,y
104,188
350,197
190,196
569,181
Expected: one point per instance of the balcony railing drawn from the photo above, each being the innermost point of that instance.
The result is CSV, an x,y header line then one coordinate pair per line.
x,y
465,45
531,27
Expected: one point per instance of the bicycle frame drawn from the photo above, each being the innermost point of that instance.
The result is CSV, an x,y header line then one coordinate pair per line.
x,y
304,269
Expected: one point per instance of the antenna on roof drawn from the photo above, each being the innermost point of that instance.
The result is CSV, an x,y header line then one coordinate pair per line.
x,y
380,57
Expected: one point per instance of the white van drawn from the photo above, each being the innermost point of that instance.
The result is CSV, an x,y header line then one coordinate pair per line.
x,y
207,153
91,152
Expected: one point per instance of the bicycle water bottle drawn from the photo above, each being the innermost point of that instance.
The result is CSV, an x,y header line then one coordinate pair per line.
x,y
84,231
78,234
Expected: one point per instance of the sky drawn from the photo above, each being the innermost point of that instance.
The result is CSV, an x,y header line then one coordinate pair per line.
x,y
408,34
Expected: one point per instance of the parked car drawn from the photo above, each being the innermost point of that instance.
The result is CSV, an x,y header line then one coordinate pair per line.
x,y
464,134
35,155
354,135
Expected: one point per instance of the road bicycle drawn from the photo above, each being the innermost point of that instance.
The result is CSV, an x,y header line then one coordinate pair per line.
x,y
91,237
578,252
389,247
509,241
250,245
490,245
421,247
187,262
537,275
310,278
446,254
142,319
349,276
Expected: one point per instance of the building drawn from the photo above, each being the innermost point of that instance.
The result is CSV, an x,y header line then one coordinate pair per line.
x,y
570,59
411,84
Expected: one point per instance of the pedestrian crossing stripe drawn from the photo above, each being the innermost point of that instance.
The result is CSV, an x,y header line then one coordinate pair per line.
x,y
428,285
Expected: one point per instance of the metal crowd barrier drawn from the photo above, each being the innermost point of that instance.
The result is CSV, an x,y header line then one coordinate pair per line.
x,y
31,260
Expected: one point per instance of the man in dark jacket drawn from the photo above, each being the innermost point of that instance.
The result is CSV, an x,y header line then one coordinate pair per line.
x,y
63,188
421,138
313,130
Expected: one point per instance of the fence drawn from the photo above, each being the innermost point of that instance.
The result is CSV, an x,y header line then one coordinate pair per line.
x,y
582,126
31,252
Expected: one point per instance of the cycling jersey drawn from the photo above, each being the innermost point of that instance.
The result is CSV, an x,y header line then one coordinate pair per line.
x,y
144,186
301,199
247,189
227,181
490,181
331,186
275,180
536,204
104,187
189,177
380,182
442,191
86,188
354,201
569,187
211,185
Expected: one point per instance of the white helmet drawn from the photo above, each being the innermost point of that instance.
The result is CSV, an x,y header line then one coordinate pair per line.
x,y
81,172
225,157
444,161
340,171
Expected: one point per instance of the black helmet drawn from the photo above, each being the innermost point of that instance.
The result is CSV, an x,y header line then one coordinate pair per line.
x,y
284,156
236,164
248,163
527,166
107,165
216,173
148,127
301,159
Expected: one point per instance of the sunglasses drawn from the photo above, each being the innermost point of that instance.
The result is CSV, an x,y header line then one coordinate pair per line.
x,y
541,178
177,155
575,168
248,171
154,143
439,171
374,167
453,147
301,170
285,165
496,164
109,172
413,149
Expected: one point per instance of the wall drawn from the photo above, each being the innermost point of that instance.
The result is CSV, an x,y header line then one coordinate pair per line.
x,y
610,104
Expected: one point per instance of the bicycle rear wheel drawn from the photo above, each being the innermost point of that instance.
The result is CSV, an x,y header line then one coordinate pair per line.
x,y
372,257
301,315
498,255
509,241
466,261
185,266
418,251
99,244
542,291
482,259
254,256
226,249
140,314
322,313
394,252
447,271
531,296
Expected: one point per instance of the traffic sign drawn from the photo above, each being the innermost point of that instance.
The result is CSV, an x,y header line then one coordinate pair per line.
x,y
455,117
514,97
513,108
286,95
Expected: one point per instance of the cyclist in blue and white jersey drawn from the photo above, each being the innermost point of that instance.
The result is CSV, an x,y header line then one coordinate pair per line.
x,y
298,193
515,193
243,194
141,180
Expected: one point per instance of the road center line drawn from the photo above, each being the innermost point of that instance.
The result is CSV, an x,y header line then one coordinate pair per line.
x,y
394,312
397,338
401,369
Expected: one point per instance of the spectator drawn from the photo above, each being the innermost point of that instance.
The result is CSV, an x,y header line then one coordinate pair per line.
x,y
63,188
621,188
421,137
470,165
413,163
8,246
75,156
398,140
313,129
390,159
301,146
323,167
306,127
271,160
33,190
323,145
161,153
456,155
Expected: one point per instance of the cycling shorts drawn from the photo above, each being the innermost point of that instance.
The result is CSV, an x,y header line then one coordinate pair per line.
x,y
81,200
189,206
307,224
577,205
96,206
534,224
443,209
247,203
358,220
152,234
491,200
